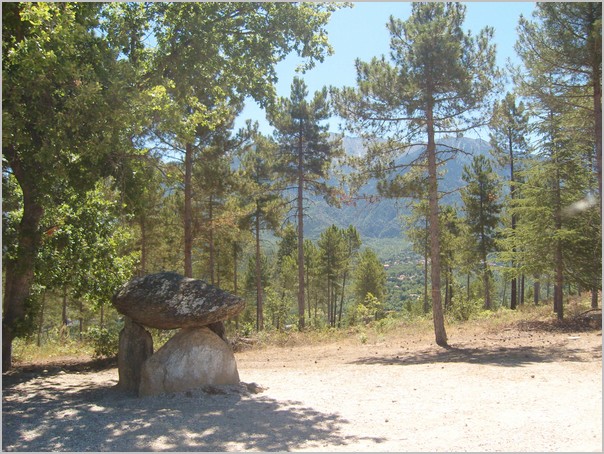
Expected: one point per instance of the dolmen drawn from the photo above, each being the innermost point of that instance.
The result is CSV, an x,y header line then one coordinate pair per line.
x,y
196,356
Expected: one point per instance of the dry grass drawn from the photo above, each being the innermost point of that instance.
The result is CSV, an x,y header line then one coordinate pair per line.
x,y
527,317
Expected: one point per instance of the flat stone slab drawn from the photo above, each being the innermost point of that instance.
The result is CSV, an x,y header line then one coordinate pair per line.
x,y
170,300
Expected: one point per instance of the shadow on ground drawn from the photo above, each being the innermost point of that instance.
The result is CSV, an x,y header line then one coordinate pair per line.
x,y
496,356
105,419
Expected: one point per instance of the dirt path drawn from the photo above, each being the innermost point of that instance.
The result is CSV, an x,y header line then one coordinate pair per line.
x,y
514,391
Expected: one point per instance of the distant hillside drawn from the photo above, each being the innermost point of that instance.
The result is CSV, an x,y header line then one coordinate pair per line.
x,y
382,219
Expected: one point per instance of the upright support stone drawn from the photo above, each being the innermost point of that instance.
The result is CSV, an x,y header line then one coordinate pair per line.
x,y
136,345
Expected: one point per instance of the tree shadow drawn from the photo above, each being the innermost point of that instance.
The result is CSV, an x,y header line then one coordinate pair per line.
x,y
106,419
497,356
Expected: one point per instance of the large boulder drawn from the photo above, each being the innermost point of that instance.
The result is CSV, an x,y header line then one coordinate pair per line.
x,y
169,301
135,347
193,358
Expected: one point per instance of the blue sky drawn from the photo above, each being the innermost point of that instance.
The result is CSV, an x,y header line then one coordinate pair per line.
x,y
360,32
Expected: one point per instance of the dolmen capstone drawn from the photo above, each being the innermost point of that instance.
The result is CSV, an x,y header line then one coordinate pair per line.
x,y
198,355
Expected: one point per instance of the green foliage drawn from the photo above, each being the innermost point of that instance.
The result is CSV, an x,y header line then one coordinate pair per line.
x,y
369,277
278,309
105,342
363,313
465,309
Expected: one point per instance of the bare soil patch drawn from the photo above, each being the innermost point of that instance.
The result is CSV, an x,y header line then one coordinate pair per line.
x,y
526,387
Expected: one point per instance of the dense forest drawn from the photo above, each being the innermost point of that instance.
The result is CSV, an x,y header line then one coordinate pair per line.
x,y
120,158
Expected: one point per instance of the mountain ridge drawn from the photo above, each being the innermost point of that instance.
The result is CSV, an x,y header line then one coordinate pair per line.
x,y
375,218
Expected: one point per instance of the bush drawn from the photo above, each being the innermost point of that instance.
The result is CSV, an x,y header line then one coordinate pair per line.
x,y
365,312
464,309
105,342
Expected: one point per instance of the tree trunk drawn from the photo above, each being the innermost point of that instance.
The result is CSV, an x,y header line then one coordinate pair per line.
x,y
596,79
447,296
300,203
64,308
342,298
513,296
143,226
558,264
536,290
522,289
188,215
487,288
594,298
485,264
211,239
259,303
41,320
426,252
437,310
217,253
308,297
19,274
235,260
81,319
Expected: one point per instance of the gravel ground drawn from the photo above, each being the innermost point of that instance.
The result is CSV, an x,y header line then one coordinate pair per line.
x,y
519,390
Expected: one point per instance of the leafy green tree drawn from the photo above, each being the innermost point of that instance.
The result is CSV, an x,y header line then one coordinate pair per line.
x,y
482,207
305,155
437,82
210,56
66,120
509,129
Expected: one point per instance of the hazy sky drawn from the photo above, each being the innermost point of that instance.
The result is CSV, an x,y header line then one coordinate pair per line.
x,y
360,32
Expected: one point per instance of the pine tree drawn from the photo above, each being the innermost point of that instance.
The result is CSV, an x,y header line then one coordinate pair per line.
x,y
305,155
561,54
436,84
259,188
565,42
369,277
509,128
481,205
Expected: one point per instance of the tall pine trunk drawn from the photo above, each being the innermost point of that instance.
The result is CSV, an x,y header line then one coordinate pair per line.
x,y
188,215
437,310
558,264
300,203
426,254
513,296
596,79
143,227
211,239
259,302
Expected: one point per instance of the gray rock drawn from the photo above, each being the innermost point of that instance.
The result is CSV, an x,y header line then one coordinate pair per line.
x,y
169,301
192,359
135,347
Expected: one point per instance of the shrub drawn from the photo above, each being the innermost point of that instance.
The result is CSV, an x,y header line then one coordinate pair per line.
x,y
464,309
105,342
